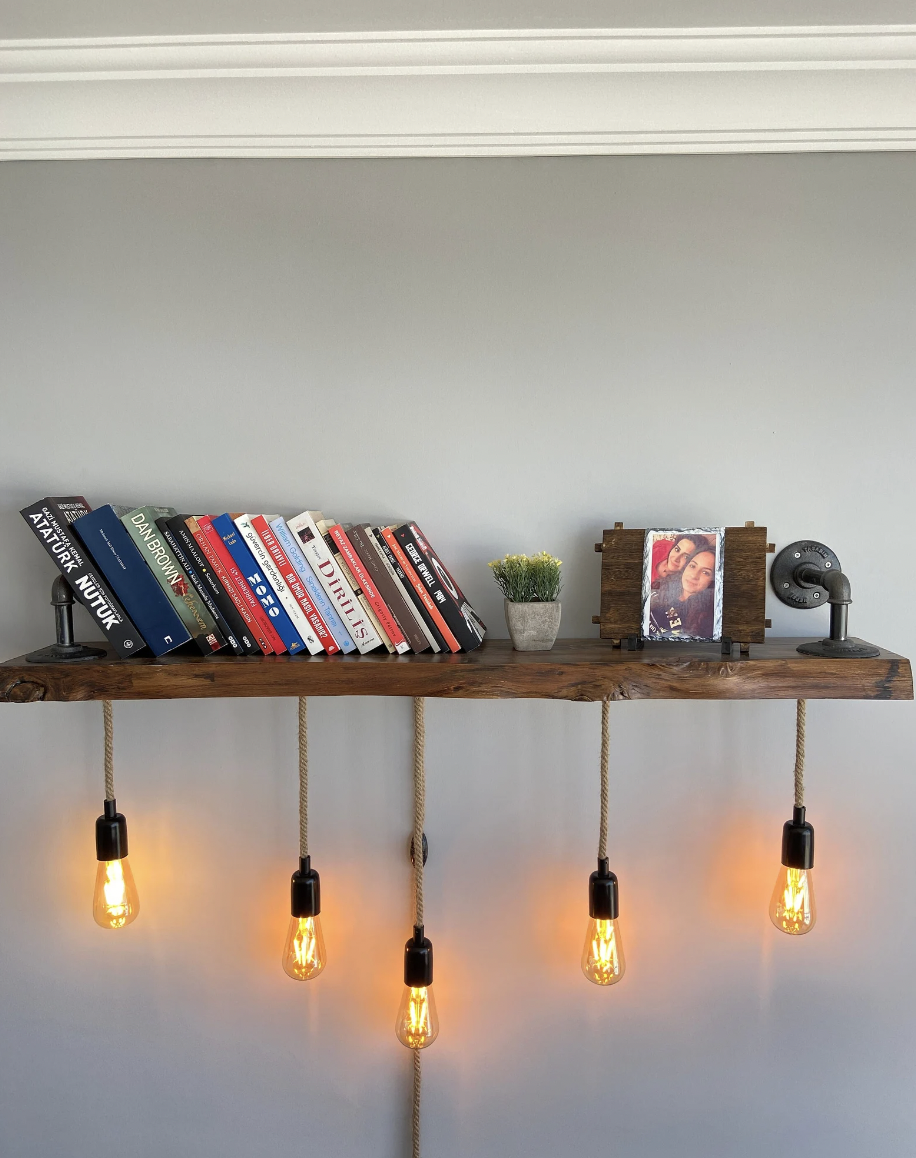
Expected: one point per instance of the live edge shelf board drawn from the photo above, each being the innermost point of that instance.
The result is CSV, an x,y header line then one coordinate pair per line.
x,y
576,669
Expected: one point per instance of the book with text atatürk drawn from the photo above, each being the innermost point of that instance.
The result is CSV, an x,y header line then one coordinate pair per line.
x,y
211,543
180,551
309,539
50,520
461,617
140,524
120,561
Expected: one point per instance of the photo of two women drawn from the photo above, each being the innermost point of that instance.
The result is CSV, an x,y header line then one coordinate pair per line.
x,y
682,584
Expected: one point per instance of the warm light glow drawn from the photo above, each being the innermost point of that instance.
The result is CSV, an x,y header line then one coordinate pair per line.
x,y
792,904
115,903
602,957
304,954
417,1025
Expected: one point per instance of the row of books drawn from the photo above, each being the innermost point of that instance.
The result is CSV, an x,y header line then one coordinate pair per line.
x,y
254,584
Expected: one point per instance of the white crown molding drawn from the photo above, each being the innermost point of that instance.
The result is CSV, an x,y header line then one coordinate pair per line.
x,y
476,93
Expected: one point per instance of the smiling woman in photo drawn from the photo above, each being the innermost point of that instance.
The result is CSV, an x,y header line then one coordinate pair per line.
x,y
682,605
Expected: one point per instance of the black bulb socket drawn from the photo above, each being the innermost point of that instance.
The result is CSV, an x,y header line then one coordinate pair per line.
x,y
603,898
111,833
798,842
305,890
418,960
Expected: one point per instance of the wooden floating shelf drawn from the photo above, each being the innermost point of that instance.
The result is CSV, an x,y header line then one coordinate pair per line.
x,y
576,669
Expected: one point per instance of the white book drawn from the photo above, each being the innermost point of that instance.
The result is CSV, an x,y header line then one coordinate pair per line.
x,y
324,526
306,533
255,544
372,536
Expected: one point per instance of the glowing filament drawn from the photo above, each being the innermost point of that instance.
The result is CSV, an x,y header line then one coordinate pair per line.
x,y
792,905
304,956
602,958
115,903
417,1025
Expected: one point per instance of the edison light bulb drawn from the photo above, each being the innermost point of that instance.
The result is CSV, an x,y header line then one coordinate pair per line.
x,y
417,1025
792,904
602,957
115,903
304,954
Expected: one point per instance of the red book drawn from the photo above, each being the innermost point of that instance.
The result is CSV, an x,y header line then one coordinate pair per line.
x,y
362,577
294,583
420,588
266,628
242,605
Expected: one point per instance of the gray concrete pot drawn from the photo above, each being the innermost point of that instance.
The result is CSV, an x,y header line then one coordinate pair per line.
x,y
533,626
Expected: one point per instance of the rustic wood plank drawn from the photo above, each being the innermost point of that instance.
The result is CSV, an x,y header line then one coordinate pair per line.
x,y
744,586
621,582
576,669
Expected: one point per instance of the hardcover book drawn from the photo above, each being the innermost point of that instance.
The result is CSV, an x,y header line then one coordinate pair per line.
x,y
261,588
421,615
367,582
276,581
255,616
119,559
388,587
295,586
50,520
461,617
199,586
308,537
310,580
141,526
420,589
232,621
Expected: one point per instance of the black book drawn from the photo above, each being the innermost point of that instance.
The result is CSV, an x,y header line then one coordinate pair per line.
x,y
463,621
209,587
409,588
50,520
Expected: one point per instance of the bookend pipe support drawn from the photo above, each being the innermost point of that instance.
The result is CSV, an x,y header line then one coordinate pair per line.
x,y
807,574
65,649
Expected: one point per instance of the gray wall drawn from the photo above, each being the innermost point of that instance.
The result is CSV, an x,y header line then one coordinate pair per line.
x,y
515,353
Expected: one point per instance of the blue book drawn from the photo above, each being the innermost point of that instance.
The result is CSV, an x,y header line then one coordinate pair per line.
x,y
136,587
259,584
317,593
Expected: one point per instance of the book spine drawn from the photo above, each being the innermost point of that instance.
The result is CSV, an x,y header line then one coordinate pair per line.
x,y
235,623
355,587
460,616
371,592
448,580
250,568
141,526
421,589
277,584
268,640
199,586
359,626
413,600
295,586
310,580
119,559
49,521
387,585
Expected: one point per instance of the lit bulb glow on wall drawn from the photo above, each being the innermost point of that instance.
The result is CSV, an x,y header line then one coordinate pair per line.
x,y
304,954
603,961
115,902
792,908
417,1024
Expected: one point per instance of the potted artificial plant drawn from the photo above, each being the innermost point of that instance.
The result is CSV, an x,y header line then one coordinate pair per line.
x,y
531,585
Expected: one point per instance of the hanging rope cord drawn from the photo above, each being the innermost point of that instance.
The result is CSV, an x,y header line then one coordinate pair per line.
x,y
605,759
419,812
800,721
303,778
109,750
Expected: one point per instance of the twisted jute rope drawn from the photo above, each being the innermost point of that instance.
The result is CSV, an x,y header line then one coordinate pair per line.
x,y
605,758
800,712
303,778
109,750
419,811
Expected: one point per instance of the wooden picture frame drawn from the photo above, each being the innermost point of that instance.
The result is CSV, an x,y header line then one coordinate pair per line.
x,y
743,593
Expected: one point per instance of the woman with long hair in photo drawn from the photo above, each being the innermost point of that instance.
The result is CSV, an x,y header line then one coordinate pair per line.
x,y
683,605
669,556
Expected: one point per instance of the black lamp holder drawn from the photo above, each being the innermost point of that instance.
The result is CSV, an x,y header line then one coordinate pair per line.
x,y
807,574
305,890
65,650
603,899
